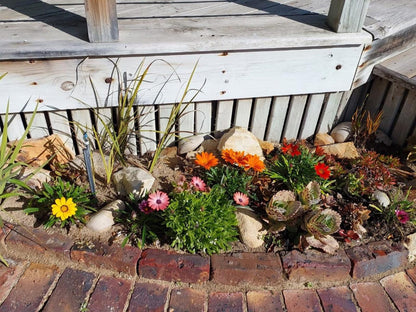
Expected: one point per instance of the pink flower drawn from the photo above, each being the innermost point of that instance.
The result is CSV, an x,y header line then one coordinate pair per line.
x,y
199,184
158,200
241,199
402,215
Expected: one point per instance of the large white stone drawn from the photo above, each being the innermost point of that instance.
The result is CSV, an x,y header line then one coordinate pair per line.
x,y
190,144
251,228
342,150
241,140
103,220
382,198
342,131
410,244
133,180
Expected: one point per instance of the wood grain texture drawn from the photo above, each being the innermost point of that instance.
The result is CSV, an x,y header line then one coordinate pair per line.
x,y
403,63
294,117
347,15
260,114
311,115
102,21
329,112
391,106
406,120
277,118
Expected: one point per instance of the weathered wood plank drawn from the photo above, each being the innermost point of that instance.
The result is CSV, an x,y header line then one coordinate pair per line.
x,y
403,63
395,77
406,120
260,114
60,125
164,114
243,112
376,96
39,127
312,111
347,15
101,20
203,113
224,115
186,122
329,112
277,118
294,117
391,106
82,123
223,76
147,129
15,128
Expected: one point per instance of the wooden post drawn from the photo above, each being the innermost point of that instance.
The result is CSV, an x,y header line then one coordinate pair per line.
x,y
101,20
347,16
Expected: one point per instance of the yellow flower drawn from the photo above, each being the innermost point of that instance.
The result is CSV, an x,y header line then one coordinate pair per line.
x,y
64,208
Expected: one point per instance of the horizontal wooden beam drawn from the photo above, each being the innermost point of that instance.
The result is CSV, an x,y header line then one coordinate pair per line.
x,y
347,16
101,20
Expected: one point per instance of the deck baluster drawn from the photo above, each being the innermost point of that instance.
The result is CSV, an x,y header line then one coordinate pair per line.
x,y
101,20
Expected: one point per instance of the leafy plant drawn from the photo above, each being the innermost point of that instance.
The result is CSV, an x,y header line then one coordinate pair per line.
x,y
364,126
202,221
60,202
296,166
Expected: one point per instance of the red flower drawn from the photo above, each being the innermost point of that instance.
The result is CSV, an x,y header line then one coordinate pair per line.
x,y
319,151
402,215
322,170
291,149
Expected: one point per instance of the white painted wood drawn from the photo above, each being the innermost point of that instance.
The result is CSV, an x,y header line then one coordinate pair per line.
x,y
347,15
147,131
186,122
391,106
329,112
261,111
406,119
277,118
294,117
39,127
82,123
243,113
203,112
224,114
312,111
15,128
223,76
164,113
60,126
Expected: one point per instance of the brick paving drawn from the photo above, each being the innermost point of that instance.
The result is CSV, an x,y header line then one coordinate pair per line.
x,y
101,278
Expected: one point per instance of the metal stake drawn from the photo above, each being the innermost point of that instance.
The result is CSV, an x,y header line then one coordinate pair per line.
x,y
87,158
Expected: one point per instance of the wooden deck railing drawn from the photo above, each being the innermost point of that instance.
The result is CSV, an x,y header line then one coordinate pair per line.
x,y
344,16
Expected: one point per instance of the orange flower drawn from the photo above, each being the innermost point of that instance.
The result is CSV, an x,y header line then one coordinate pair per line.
x,y
322,170
234,157
254,162
206,160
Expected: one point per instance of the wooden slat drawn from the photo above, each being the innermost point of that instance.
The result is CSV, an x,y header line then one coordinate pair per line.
x,y
164,113
395,77
376,96
203,112
186,122
312,111
329,112
82,123
147,131
347,15
406,119
277,118
403,63
243,113
39,127
60,126
15,128
260,114
102,21
294,117
224,115
391,106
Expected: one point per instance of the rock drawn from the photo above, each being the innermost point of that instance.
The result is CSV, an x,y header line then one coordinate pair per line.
x,y
36,152
241,140
342,150
382,198
210,146
323,139
97,164
410,244
36,177
381,137
133,180
251,228
103,220
189,144
266,146
342,131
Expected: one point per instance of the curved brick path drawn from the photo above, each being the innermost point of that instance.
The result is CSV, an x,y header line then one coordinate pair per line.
x,y
61,276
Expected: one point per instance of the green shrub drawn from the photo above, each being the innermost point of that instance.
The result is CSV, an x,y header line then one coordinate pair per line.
x,y
202,222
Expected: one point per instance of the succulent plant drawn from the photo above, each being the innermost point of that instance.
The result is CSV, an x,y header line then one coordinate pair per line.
x,y
320,222
311,194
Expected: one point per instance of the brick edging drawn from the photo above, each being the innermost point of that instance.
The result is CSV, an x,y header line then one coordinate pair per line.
x,y
259,269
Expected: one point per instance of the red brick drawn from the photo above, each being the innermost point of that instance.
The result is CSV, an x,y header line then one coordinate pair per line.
x,y
401,290
70,291
371,297
187,300
110,294
9,276
114,258
337,299
148,297
412,274
313,265
29,292
247,268
376,258
171,266
263,301
38,240
225,302
302,300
